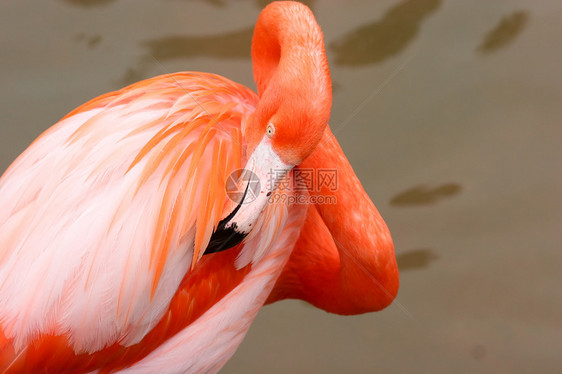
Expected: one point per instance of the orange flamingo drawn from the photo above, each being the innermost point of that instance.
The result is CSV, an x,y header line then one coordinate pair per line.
x,y
121,250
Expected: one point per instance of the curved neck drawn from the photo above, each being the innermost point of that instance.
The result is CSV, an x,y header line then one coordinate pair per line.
x,y
364,276
286,40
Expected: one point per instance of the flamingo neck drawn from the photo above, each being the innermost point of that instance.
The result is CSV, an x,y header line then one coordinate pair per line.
x,y
286,41
368,271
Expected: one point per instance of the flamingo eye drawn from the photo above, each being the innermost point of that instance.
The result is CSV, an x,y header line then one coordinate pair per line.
x,y
270,130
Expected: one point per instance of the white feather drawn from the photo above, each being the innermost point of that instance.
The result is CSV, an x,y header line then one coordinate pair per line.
x,y
213,338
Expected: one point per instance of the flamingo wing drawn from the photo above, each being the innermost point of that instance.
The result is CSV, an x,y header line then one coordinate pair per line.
x,y
105,213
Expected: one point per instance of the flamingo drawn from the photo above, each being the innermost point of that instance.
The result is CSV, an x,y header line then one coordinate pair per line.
x,y
121,251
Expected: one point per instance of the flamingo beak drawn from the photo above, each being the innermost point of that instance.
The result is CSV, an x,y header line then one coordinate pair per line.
x,y
264,170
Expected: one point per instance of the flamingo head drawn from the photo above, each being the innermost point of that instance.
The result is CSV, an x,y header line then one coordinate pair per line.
x,y
284,130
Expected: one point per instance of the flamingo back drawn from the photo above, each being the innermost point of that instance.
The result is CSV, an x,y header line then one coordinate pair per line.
x,y
107,211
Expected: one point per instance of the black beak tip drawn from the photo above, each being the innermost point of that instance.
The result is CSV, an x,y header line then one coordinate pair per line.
x,y
224,238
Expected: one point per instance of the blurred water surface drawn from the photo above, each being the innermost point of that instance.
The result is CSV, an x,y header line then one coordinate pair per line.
x,y
458,143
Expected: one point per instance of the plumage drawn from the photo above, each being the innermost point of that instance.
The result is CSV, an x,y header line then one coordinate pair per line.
x,y
107,215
